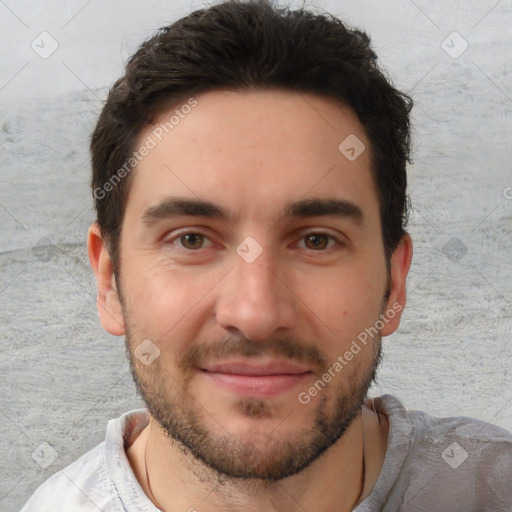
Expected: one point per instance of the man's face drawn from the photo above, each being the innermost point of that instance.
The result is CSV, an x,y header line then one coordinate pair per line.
x,y
252,257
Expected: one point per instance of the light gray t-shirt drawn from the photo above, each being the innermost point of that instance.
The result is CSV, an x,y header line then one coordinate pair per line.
x,y
431,464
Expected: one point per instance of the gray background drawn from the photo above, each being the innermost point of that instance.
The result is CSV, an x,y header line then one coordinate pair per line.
x,y
62,377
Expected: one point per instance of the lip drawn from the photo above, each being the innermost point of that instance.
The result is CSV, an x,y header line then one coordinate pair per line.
x,y
255,380
254,369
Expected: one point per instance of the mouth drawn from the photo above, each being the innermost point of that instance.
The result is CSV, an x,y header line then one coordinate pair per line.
x,y
251,379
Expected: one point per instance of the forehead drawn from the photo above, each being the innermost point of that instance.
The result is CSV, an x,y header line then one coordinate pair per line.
x,y
255,150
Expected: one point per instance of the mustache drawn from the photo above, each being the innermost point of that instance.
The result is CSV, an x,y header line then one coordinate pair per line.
x,y
278,347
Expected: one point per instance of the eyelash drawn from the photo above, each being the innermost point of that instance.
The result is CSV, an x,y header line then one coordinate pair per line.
x,y
332,242
331,239
179,237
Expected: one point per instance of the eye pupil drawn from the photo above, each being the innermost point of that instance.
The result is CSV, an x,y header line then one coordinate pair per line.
x,y
317,241
192,241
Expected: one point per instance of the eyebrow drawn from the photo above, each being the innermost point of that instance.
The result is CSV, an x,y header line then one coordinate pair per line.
x,y
316,207
325,208
175,207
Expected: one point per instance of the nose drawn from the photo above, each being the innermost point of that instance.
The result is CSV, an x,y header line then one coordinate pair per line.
x,y
255,300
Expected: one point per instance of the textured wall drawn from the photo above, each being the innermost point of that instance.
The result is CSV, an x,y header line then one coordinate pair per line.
x,y
62,377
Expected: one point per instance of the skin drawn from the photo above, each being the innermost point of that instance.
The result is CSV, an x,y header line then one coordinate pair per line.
x,y
252,154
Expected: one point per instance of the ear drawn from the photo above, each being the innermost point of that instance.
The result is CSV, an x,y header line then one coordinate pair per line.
x,y
108,303
400,264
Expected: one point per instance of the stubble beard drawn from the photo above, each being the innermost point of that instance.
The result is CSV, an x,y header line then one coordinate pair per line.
x,y
254,454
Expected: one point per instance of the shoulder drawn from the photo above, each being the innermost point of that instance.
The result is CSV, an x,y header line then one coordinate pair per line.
x,y
451,462
89,483
427,430
77,486
461,438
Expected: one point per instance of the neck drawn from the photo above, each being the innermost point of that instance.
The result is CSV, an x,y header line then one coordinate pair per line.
x,y
174,481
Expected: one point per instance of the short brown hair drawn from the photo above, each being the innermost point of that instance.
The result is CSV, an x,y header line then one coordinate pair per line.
x,y
240,45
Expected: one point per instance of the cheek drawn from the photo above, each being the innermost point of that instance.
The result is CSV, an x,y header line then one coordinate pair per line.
x,y
164,301
345,301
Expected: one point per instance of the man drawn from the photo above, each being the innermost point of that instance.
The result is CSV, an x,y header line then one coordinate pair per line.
x,y
250,187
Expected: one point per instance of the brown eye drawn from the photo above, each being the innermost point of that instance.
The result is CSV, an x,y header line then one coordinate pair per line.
x,y
316,241
192,241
